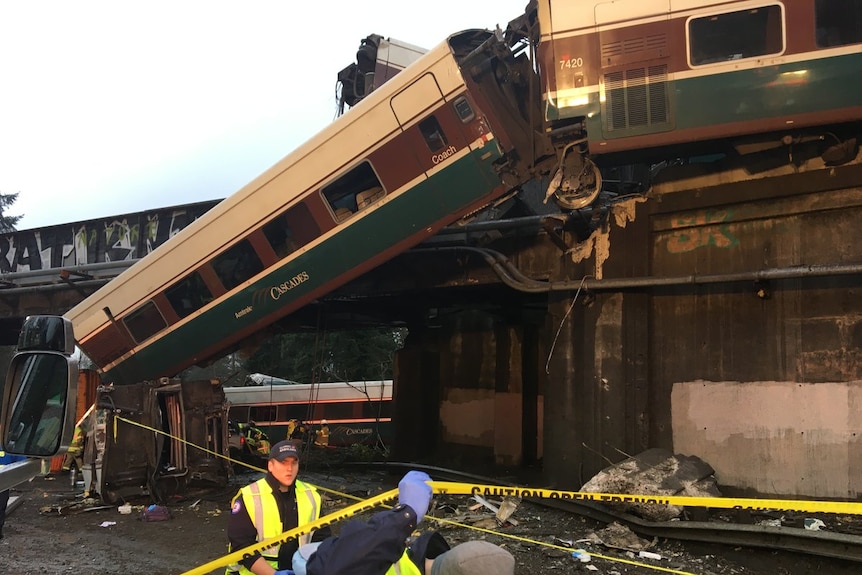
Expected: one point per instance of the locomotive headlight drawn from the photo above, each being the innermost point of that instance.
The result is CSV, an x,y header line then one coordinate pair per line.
x,y
574,102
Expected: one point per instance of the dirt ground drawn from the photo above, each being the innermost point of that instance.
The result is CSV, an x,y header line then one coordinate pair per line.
x,y
96,539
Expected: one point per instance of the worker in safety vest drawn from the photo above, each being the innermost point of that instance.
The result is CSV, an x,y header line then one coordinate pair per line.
x,y
270,506
255,438
378,546
4,495
321,439
76,450
292,425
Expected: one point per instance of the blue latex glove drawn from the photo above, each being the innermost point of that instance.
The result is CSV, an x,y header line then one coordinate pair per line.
x,y
284,572
415,492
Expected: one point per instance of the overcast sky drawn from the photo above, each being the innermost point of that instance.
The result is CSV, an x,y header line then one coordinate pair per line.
x,y
121,106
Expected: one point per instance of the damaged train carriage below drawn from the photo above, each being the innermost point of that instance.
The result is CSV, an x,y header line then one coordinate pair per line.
x,y
169,438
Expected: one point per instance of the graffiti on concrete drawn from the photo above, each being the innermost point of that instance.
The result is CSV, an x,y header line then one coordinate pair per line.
x,y
704,228
118,238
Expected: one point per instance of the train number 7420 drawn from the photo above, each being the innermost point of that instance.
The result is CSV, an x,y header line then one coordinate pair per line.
x,y
571,63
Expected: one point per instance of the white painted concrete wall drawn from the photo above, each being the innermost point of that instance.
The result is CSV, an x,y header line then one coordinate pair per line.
x,y
782,438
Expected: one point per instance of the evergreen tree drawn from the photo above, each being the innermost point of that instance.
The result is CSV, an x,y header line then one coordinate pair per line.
x,y
229,370
7,222
332,356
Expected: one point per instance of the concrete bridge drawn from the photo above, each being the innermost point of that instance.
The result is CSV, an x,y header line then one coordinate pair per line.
x,y
49,270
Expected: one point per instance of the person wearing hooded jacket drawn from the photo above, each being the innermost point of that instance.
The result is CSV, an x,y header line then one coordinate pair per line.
x,y
379,546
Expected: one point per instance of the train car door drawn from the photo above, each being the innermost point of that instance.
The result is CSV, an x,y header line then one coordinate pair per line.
x,y
635,74
416,100
434,131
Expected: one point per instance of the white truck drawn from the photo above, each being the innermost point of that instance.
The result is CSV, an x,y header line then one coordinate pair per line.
x,y
37,413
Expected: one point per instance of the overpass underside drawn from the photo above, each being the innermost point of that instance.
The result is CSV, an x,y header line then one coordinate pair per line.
x,y
717,316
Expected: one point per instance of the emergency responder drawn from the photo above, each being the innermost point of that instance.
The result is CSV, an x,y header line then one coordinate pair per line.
x,y
292,426
378,546
76,450
300,433
321,439
256,440
4,495
91,436
270,506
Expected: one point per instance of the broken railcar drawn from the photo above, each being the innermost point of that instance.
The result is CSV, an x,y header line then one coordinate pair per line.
x,y
163,438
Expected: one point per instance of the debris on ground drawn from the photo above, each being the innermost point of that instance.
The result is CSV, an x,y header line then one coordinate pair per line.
x,y
618,536
656,472
503,510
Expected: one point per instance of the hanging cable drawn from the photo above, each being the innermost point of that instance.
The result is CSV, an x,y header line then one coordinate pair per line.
x,y
562,322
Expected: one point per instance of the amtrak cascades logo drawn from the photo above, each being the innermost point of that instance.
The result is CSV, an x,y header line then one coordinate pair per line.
x,y
262,295
276,292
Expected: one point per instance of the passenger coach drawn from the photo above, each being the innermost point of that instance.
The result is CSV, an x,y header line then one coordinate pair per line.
x,y
417,154
355,411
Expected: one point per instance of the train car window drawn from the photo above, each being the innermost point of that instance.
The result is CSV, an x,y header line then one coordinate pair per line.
x,y
338,410
145,322
291,230
375,409
262,413
238,413
188,295
236,264
342,193
433,134
294,411
735,35
464,110
837,22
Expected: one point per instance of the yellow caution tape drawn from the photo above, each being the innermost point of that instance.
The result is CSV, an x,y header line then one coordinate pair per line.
x,y
444,487
441,488
454,488
849,508
181,440
330,519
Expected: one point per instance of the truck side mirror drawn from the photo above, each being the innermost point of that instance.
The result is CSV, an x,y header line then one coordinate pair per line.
x,y
38,409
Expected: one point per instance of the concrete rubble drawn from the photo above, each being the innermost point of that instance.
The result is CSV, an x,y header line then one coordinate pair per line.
x,y
656,472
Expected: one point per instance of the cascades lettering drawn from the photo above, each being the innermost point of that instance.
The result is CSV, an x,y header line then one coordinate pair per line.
x,y
277,291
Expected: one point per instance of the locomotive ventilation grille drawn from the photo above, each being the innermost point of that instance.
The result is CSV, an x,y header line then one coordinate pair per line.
x,y
637,98
618,48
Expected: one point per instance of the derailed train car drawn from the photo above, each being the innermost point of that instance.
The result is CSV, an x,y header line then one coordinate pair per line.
x,y
161,438
448,135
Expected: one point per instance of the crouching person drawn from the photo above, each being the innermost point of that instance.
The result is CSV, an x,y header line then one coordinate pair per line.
x,y
378,547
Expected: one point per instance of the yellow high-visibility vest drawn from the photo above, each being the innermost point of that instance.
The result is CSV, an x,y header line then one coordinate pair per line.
x,y
262,508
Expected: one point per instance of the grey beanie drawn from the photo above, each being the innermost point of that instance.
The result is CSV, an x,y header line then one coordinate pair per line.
x,y
474,558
